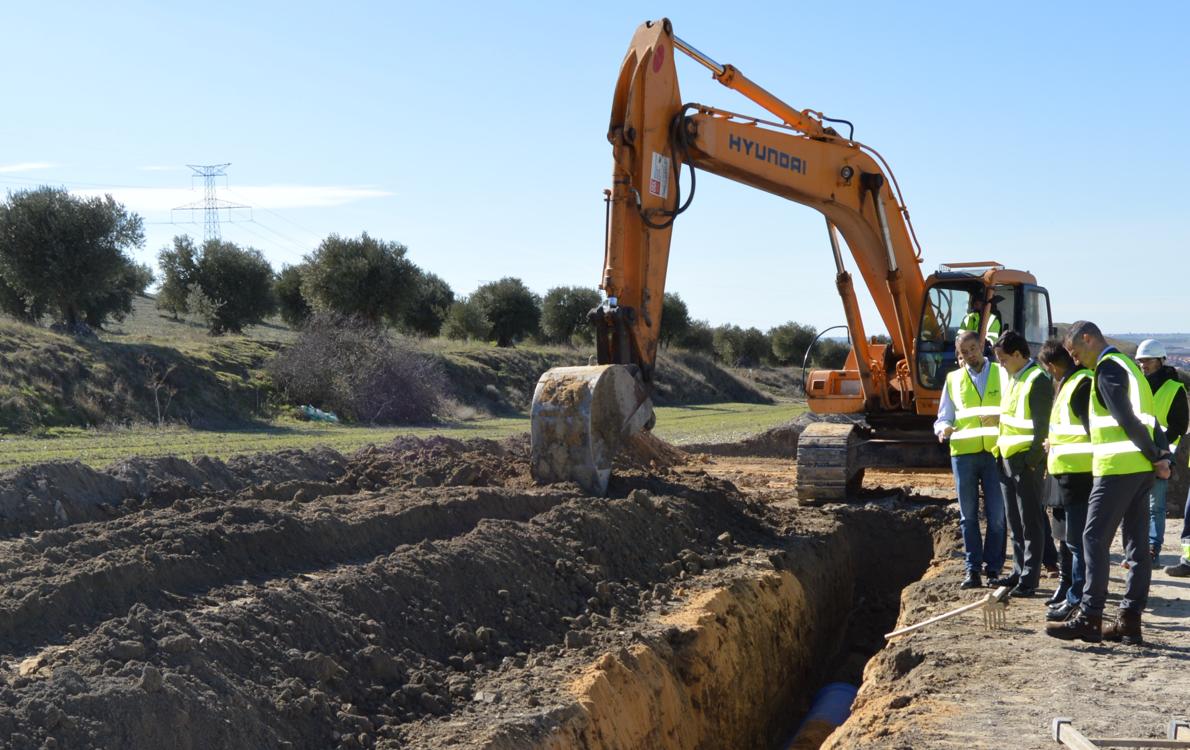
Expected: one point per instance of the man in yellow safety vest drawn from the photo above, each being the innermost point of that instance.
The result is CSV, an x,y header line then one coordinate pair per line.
x,y
969,418
1126,452
1024,426
1173,414
971,321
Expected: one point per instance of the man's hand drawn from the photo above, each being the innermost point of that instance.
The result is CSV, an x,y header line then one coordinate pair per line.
x,y
1162,468
945,434
1034,458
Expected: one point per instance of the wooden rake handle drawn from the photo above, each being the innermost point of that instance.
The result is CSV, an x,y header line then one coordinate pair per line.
x,y
998,595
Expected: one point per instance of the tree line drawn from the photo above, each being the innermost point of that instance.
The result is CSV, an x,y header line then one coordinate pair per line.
x,y
68,258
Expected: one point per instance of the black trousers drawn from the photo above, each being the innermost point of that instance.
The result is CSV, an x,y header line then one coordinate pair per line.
x,y
1023,486
1118,502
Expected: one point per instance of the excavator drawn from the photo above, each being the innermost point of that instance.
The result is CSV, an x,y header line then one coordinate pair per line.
x,y
888,392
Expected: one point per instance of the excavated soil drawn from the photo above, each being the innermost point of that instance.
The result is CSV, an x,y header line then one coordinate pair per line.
x,y
426,594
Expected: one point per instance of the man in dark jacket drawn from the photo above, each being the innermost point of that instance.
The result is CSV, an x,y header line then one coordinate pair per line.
x,y
1173,414
1127,451
1024,427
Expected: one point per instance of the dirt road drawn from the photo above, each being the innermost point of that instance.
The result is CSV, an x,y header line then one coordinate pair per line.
x,y
955,685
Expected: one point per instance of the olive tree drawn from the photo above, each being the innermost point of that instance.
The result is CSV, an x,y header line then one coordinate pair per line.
x,y
69,256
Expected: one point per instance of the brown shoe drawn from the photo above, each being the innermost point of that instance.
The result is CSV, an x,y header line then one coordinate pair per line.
x,y
1082,627
1126,628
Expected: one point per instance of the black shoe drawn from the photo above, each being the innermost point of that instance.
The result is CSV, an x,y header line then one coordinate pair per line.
x,y
1061,612
1009,581
971,581
1023,589
1181,570
1059,594
1082,627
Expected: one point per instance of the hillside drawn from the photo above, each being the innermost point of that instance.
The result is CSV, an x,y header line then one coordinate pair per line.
x,y
49,380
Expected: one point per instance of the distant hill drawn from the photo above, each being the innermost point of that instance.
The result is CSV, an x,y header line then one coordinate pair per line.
x,y
48,380
1173,341
1177,345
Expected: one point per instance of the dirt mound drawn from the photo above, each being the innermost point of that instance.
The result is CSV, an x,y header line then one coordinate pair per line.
x,y
441,461
779,442
59,494
646,451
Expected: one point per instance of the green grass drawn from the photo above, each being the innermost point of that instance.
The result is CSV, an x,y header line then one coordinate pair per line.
x,y
677,424
102,447
721,423
148,324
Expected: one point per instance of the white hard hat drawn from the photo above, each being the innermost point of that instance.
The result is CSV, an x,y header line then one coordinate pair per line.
x,y
1150,349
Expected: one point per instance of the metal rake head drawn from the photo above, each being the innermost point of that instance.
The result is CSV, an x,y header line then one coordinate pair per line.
x,y
994,607
993,615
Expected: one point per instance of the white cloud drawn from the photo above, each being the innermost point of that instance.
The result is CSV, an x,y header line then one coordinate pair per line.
x,y
145,200
159,168
27,166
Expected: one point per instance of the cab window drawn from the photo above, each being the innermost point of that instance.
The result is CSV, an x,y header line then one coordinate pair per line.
x,y
942,318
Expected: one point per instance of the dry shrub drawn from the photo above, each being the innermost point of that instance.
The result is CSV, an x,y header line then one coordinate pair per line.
x,y
359,371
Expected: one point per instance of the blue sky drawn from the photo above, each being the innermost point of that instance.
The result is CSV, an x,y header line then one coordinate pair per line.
x,y
1049,137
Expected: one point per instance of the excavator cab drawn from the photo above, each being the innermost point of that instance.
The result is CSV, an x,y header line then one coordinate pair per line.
x,y
981,296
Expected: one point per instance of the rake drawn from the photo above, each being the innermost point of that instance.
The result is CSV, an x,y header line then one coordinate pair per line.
x,y
993,606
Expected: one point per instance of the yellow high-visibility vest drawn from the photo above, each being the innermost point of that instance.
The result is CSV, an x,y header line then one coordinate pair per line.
x,y
1016,417
1111,451
1163,400
977,418
1070,445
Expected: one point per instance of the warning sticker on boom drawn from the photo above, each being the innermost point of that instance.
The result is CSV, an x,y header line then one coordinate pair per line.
x,y
659,178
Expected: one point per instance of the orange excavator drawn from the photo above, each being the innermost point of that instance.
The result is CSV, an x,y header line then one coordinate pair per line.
x,y
581,416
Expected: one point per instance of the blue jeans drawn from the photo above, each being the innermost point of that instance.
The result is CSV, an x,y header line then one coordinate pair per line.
x,y
1076,521
1157,513
1185,559
970,473
1075,493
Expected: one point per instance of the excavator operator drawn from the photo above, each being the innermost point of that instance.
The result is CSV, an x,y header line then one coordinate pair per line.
x,y
973,318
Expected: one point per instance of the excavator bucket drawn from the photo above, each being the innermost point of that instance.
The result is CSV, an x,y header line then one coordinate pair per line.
x,y
581,417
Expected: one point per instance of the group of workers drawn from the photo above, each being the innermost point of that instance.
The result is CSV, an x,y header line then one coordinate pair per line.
x,y
1083,430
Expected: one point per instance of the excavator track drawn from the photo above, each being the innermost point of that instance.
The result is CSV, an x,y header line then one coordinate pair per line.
x,y
827,462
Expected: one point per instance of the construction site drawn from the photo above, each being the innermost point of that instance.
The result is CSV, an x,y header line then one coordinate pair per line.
x,y
428,594
585,584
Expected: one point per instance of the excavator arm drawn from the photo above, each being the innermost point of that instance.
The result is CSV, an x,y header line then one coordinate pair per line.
x,y
653,135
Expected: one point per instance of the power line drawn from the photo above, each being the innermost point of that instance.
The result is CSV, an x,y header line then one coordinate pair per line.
x,y
287,220
283,236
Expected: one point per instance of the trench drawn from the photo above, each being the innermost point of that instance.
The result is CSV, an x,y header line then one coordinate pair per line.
x,y
740,664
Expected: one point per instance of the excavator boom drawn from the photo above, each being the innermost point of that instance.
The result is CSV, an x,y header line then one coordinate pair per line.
x,y
653,134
